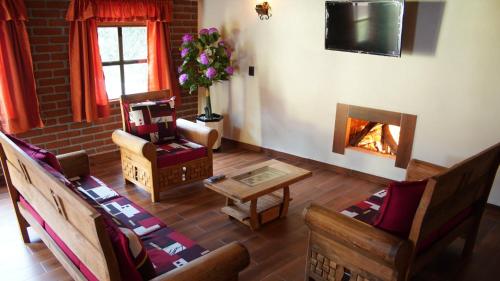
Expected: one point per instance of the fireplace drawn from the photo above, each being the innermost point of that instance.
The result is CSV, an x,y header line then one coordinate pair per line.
x,y
379,132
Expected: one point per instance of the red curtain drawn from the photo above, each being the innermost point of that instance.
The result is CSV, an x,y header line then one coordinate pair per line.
x,y
162,74
83,15
19,110
89,100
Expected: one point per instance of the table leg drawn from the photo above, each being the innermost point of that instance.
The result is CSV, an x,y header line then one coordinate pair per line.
x,y
254,217
286,201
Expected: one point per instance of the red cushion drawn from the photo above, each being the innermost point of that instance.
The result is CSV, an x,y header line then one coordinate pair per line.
x,y
168,249
37,153
32,211
179,151
400,206
154,121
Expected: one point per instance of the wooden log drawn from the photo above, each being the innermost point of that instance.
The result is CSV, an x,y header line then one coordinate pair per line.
x,y
356,138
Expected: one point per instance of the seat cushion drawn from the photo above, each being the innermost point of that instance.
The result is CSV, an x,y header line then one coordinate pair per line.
x,y
37,153
179,151
94,188
154,121
129,215
367,211
168,249
399,207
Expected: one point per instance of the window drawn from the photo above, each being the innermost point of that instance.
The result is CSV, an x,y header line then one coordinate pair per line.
x,y
124,59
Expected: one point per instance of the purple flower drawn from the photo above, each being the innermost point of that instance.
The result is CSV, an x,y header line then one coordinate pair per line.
x,y
183,78
204,31
187,38
184,52
179,69
211,73
213,30
222,43
228,52
204,59
229,70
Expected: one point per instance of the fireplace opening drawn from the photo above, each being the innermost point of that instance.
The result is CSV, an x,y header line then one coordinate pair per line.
x,y
374,131
374,136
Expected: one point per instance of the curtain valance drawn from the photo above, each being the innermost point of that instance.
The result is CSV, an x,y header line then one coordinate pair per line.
x,y
120,10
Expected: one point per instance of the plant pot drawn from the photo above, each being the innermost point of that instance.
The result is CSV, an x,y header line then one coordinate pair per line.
x,y
214,123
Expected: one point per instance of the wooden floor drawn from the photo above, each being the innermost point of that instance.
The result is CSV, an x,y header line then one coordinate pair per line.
x,y
277,250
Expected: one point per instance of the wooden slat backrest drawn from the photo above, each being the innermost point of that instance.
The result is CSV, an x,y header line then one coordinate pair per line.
x,y
139,97
466,184
78,224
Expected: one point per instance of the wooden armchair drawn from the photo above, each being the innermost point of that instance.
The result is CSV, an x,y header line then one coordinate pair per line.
x,y
140,157
343,247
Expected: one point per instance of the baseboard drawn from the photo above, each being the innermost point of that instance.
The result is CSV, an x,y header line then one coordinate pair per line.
x,y
493,207
104,157
278,154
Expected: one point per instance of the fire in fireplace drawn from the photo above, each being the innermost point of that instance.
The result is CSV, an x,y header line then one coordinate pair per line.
x,y
374,136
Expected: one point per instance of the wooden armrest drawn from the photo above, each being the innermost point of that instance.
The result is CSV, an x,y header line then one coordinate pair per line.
x,y
197,133
358,236
420,170
74,164
134,144
223,264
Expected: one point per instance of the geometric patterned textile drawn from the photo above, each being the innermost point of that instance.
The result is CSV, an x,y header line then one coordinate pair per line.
x,y
368,210
153,121
94,188
129,215
179,151
169,249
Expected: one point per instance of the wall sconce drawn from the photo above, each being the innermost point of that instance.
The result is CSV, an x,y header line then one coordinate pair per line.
x,y
263,10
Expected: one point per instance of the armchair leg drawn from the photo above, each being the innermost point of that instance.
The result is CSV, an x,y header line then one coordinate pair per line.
x,y
155,195
470,242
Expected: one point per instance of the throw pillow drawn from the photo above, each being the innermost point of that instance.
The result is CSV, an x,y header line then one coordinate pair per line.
x,y
399,207
37,153
152,120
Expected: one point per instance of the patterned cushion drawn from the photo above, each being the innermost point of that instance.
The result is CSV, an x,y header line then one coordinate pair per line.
x,y
367,211
128,214
152,120
179,151
169,249
94,188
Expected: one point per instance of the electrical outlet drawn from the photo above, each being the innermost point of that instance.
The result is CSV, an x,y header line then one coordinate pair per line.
x,y
251,71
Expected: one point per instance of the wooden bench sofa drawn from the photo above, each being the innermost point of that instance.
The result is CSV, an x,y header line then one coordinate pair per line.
x,y
347,246
81,236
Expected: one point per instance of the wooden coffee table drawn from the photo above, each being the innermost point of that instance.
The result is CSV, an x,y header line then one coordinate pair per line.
x,y
252,193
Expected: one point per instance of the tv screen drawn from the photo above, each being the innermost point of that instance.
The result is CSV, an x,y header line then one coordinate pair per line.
x,y
372,27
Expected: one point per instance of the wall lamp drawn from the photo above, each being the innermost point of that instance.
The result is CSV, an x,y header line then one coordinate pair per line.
x,y
263,10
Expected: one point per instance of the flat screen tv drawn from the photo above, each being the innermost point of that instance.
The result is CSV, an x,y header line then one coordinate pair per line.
x,y
371,27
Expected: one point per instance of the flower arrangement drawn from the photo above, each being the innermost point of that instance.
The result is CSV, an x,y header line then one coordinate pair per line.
x,y
206,60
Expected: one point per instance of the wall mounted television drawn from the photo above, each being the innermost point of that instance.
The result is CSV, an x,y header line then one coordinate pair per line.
x,y
371,27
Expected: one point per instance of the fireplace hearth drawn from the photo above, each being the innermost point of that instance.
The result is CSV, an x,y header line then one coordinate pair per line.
x,y
375,131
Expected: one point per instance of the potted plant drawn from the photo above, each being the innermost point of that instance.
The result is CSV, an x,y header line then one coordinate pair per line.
x,y
206,60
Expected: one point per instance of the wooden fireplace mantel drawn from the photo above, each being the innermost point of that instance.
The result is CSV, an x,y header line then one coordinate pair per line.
x,y
406,122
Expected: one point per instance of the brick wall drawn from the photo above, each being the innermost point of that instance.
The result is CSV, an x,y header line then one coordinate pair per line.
x,y
48,31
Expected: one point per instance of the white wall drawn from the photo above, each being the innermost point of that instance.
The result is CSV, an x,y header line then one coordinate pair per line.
x,y
449,77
